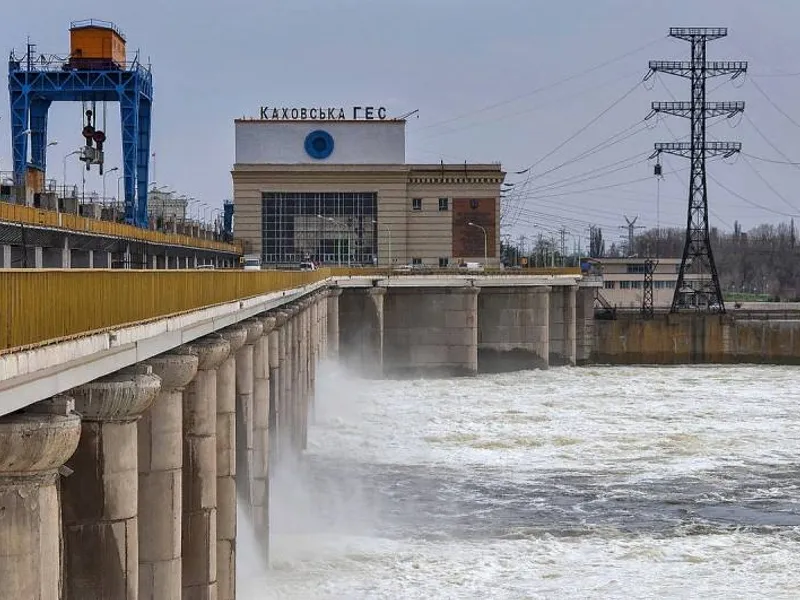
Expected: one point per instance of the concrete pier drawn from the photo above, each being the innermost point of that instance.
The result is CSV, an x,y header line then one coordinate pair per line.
x,y
276,374
513,328
160,462
584,327
332,315
261,411
431,331
100,499
33,445
562,326
226,465
199,526
245,382
361,330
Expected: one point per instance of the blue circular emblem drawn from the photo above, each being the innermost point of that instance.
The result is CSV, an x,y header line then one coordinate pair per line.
x,y
319,144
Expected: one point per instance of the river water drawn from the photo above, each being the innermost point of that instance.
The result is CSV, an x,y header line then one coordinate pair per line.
x,y
597,482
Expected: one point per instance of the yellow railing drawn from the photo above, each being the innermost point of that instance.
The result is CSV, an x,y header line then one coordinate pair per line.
x,y
43,305
28,215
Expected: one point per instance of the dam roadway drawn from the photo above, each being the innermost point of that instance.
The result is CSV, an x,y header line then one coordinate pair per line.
x,y
136,406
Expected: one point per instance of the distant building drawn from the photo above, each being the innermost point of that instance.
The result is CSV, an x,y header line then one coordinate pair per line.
x,y
623,281
338,191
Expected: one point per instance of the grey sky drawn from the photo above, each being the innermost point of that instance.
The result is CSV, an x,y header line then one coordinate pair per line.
x,y
216,61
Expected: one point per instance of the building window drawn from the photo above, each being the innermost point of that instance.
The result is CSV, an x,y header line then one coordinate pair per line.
x,y
624,285
637,285
324,227
416,261
635,269
443,260
416,204
443,204
610,285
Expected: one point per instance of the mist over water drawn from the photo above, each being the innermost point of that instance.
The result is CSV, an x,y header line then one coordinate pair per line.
x,y
599,482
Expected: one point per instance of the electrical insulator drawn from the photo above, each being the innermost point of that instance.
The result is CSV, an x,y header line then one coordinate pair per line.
x,y
657,170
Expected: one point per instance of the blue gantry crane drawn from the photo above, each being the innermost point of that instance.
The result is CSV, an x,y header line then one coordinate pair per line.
x,y
96,70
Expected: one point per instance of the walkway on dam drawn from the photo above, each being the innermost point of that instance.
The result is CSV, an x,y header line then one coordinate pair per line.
x,y
136,406
36,238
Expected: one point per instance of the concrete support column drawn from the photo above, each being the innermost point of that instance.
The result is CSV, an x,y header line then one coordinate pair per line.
x,y
244,410
305,342
38,257
5,257
333,322
199,526
431,331
34,444
276,352
226,465
584,327
261,412
513,328
557,329
361,330
100,499
160,458
570,318
287,383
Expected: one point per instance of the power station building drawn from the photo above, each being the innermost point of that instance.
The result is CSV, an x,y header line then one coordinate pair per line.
x,y
333,186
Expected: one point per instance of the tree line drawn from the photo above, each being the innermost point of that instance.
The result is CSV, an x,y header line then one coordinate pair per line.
x,y
764,260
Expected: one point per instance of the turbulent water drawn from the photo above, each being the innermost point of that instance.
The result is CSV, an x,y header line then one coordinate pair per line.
x,y
608,482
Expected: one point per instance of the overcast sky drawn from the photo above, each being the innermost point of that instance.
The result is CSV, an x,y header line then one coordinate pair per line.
x,y
473,70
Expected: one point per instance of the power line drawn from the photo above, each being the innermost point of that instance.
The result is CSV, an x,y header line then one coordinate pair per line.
x,y
775,106
548,86
771,145
770,160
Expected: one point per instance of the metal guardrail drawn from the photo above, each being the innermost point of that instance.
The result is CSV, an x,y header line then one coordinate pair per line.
x,y
42,305
39,306
28,215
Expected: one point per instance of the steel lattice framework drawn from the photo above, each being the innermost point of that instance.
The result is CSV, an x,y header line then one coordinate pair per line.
x,y
34,83
698,282
647,293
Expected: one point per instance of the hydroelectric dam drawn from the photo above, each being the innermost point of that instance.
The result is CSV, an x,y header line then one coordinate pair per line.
x,y
136,407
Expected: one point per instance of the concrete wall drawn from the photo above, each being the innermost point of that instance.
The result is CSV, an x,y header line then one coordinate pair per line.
x,y
361,330
681,339
431,331
354,142
513,328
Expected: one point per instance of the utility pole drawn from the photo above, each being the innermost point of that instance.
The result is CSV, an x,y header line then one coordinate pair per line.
x,y
631,227
563,232
698,282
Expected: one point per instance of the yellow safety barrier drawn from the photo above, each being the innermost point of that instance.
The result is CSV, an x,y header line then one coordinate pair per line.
x,y
29,215
44,305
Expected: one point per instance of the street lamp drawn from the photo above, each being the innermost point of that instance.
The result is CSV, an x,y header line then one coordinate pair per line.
x,y
485,241
65,171
389,234
104,182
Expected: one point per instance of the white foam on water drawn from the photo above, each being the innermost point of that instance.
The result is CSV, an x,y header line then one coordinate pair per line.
x,y
632,425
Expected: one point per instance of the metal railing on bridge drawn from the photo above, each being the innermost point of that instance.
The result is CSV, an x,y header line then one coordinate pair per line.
x,y
39,306
36,217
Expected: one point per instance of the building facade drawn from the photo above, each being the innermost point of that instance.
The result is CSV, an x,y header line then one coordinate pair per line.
x,y
623,281
339,192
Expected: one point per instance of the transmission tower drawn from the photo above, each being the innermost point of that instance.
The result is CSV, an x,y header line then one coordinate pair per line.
x,y
631,227
698,283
